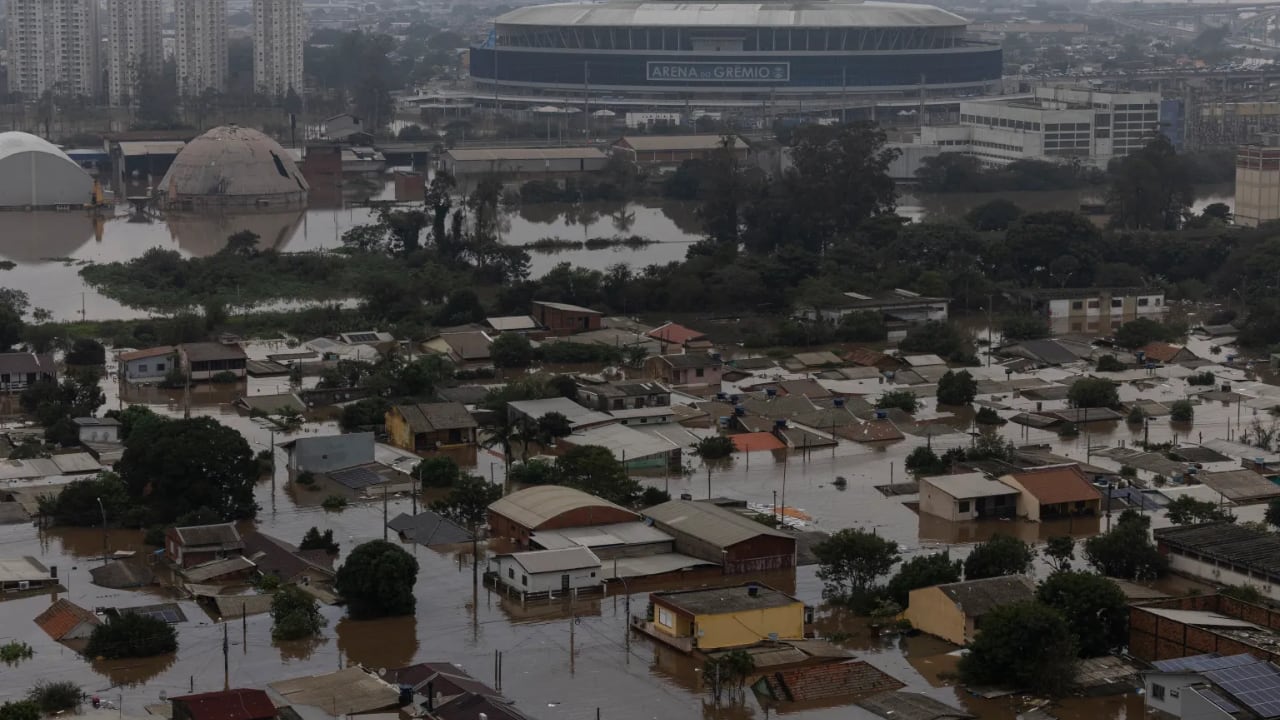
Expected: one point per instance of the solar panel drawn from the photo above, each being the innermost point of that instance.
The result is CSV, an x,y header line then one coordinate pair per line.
x,y
1205,663
168,613
363,337
1222,703
356,478
1257,686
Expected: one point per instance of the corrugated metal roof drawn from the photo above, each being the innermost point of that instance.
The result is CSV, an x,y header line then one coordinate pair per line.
x,y
348,691
501,154
664,143
549,561
234,161
533,506
713,524
734,14
236,704
979,597
969,485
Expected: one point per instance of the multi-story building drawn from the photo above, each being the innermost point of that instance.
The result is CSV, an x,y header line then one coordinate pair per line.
x,y
135,38
53,46
201,47
279,31
1258,182
1057,123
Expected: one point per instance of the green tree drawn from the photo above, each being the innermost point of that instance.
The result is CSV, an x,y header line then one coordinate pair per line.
x,y
439,471
957,388
534,472
377,580
1150,188
851,561
182,465
1109,363
1059,551
904,400
367,413
1136,333
511,350
993,215
923,571
55,696
134,417
924,461
1126,551
862,327
1094,607
1093,393
467,504
939,338
1024,327
295,614
1001,555
1186,510
1022,645
1244,593
77,504
594,470
20,710
131,635
553,426
1181,411
86,351
1272,513
729,672
313,539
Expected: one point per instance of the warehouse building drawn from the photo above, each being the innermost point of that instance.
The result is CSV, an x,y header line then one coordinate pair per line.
x,y
551,507
523,161
35,174
712,533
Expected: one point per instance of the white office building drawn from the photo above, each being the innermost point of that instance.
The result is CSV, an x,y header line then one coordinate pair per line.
x,y
53,46
279,32
1058,123
201,47
135,46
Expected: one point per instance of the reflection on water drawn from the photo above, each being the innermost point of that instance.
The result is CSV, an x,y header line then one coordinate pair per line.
x,y
43,237
381,643
204,235
934,529
129,672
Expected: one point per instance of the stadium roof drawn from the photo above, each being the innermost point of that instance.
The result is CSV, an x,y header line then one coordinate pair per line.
x,y
734,14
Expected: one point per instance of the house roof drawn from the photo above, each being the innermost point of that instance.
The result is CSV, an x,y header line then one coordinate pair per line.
x,y
533,506
96,422
429,528
1161,351
576,414
670,332
22,363
649,143
507,323
468,345
14,570
900,705
723,600
756,441
556,561
1057,484
284,560
811,683
866,357
713,524
979,597
210,351
121,574
1240,485
1226,543
162,351
690,360
969,485
1047,352
805,388
218,568
566,307
235,704
432,417
600,536
62,617
224,535
345,692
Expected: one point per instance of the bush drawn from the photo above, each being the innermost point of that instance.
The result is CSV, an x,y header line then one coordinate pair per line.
x,y
20,710
14,652
988,416
334,503
131,635
653,496
904,400
1136,416
56,696
1181,411
1202,378
225,377
1109,363
306,478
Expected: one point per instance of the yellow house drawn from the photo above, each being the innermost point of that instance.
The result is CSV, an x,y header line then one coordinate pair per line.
x,y
727,617
954,611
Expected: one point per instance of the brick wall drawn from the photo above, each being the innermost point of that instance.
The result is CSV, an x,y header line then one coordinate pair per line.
x,y
1157,638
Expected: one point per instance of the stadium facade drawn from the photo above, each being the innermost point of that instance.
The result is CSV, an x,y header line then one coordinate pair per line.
x,y
747,52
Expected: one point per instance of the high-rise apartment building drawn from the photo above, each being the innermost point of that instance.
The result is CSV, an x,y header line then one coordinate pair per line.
x,y
201,47
279,31
53,46
135,48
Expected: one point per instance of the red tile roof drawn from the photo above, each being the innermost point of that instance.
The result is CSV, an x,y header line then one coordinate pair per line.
x,y
1057,484
830,680
1161,351
865,357
676,334
62,617
751,442
238,704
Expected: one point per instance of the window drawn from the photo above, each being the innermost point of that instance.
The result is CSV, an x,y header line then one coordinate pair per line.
x,y
1157,692
665,618
698,372
511,573
963,506
593,573
1077,304
1093,304
1117,302
1156,302
1143,302
142,367
524,579
159,367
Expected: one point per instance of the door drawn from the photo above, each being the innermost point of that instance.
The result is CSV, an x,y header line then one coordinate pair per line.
x,y
564,583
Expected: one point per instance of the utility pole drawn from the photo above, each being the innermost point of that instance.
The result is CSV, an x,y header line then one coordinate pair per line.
x,y
272,450
103,508
573,620
244,625
384,512
226,659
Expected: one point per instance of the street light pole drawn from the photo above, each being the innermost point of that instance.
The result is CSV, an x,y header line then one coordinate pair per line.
x,y
103,509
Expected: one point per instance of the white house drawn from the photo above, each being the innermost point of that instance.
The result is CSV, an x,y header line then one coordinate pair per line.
x,y
540,572
147,365
98,430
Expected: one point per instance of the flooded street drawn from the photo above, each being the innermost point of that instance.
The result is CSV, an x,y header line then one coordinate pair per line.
x,y
629,676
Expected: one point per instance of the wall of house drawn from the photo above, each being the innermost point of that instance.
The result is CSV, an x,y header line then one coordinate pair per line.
x,y
1162,690
152,368
746,627
332,452
444,438
565,322
761,553
206,370
931,611
511,573
939,504
100,433
1208,571
673,622
398,432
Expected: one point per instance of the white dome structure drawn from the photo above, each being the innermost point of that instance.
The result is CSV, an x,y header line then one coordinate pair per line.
x,y
36,174
233,167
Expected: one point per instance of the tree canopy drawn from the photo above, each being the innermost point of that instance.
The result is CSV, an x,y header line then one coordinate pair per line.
x,y
1095,608
1126,551
1022,645
295,614
851,561
131,635
1001,555
377,580
923,571
1093,393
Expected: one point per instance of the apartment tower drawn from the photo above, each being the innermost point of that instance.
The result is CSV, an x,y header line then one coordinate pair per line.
x,y
53,46
279,31
201,46
135,48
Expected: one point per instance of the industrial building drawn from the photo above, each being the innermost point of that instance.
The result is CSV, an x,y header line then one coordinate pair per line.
x,y
523,161
233,167
715,534
1258,181
35,174
1224,553
739,53
551,507
1057,123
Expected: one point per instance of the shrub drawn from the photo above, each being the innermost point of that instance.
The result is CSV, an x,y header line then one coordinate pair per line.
x,y
14,652
225,377
334,503
988,416
1181,411
56,696
307,478
131,635
1202,378
904,400
1136,416
1109,363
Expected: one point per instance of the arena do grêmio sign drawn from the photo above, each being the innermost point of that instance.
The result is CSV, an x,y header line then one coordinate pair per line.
x,y
718,72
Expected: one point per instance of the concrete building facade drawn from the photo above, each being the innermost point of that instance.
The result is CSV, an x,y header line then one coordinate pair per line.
x,y
201,45
1258,182
279,32
135,46
53,45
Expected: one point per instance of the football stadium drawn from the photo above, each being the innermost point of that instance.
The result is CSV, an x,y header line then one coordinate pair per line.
x,y
673,53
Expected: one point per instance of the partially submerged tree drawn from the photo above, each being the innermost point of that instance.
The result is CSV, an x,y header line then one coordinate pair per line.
x,y
131,635
295,614
851,561
1001,555
1126,551
922,571
1024,645
1095,608
377,580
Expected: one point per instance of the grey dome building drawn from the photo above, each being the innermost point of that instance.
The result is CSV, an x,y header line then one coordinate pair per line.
x,y
36,174
233,167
